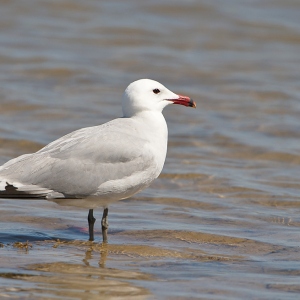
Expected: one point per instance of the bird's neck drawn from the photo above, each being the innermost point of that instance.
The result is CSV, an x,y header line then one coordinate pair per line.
x,y
155,125
154,122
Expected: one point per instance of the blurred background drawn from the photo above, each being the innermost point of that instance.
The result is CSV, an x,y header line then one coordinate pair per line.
x,y
227,201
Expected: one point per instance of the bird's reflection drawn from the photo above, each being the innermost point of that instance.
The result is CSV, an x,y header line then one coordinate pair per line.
x,y
103,256
95,249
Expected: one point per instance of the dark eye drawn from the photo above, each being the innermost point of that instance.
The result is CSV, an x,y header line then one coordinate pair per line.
x,y
156,91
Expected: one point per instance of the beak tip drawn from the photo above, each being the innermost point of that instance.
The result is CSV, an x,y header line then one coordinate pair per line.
x,y
192,103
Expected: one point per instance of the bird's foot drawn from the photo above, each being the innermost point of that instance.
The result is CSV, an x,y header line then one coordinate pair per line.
x,y
104,223
91,221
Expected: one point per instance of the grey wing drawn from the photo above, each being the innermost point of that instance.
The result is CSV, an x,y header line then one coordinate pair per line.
x,y
77,164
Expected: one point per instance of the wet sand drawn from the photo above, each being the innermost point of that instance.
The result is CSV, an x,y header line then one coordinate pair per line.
x,y
222,221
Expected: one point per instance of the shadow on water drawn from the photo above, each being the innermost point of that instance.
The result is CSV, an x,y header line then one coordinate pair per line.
x,y
23,235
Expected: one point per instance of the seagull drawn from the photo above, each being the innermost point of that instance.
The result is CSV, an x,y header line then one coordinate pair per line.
x,y
94,166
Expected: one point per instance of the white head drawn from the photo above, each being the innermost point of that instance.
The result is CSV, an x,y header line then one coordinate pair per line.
x,y
149,95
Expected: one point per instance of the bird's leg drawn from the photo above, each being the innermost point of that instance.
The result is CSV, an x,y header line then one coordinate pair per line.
x,y
91,221
104,224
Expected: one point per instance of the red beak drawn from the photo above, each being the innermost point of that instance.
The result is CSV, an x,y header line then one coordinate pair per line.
x,y
184,100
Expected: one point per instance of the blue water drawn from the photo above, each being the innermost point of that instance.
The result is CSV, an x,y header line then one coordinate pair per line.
x,y
222,221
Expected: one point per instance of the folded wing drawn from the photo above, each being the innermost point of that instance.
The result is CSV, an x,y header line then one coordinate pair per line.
x,y
76,165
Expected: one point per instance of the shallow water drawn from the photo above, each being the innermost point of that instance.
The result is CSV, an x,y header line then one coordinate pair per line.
x,y
222,221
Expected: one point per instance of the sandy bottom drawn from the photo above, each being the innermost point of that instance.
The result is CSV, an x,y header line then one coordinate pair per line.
x,y
136,263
